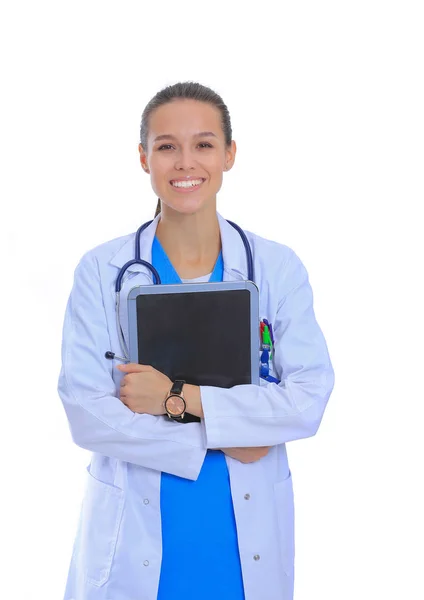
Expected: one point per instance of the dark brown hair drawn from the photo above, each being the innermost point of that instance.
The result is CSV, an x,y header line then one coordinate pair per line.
x,y
187,90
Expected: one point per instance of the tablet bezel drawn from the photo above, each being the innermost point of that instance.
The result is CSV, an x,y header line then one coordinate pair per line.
x,y
177,288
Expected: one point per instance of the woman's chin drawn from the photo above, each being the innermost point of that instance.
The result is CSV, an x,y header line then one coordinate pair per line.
x,y
187,206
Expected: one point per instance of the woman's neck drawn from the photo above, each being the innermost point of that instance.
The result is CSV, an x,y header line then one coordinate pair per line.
x,y
192,242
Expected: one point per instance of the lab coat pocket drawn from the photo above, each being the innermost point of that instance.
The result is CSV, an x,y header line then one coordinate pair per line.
x,y
99,527
284,504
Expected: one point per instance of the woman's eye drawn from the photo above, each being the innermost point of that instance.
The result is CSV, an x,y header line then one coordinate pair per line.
x,y
170,146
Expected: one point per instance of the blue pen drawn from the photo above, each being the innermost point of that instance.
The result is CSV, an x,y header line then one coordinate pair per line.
x,y
272,379
264,371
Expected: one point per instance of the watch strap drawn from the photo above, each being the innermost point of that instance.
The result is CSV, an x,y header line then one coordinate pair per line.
x,y
177,387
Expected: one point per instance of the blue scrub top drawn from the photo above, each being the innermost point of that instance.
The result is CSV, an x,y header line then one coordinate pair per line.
x,y
200,556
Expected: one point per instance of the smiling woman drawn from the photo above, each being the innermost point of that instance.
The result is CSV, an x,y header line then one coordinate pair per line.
x,y
173,136
200,510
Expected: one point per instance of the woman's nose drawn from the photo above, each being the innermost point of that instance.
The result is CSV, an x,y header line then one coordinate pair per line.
x,y
185,161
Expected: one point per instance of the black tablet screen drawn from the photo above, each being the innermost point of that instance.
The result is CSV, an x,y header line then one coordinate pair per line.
x,y
200,337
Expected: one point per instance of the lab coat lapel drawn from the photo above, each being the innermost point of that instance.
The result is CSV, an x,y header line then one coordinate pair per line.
x,y
127,252
136,274
233,252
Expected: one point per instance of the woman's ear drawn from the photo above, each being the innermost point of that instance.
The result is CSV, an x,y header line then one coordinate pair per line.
x,y
230,156
143,159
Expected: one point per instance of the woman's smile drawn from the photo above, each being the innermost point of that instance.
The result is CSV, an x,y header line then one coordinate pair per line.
x,y
187,185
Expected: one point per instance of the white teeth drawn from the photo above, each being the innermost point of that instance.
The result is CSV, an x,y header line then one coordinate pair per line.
x,y
187,184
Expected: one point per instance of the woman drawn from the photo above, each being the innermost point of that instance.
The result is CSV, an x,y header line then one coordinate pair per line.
x,y
201,510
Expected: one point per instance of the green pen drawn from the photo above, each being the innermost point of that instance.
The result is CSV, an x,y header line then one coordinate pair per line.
x,y
266,339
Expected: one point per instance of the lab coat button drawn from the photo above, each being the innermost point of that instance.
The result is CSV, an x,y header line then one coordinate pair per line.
x,y
146,501
146,563
247,496
256,557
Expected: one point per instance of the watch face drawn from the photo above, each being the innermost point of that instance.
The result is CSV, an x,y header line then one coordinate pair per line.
x,y
175,405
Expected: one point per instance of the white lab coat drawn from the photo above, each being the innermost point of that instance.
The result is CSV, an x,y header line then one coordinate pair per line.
x,y
117,551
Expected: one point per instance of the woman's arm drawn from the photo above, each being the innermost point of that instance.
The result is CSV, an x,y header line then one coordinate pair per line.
x,y
144,388
98,420
271,414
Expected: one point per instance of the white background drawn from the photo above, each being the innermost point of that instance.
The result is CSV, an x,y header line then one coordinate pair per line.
x,y
327,105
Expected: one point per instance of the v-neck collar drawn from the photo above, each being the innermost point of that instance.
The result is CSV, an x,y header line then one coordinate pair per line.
x,y
167,272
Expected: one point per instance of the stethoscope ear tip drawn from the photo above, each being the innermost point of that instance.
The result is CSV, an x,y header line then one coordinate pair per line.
x,y
112,356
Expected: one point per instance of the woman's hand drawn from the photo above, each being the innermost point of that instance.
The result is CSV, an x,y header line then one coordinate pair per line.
x,y
144,389
246,455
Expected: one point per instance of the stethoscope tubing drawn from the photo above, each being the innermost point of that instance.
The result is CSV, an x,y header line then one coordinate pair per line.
x,y
156,277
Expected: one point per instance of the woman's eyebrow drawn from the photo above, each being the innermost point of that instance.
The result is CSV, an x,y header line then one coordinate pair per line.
x,y
205,134
169,136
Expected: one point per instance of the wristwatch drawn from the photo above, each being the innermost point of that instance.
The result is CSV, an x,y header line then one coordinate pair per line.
x,y
174,404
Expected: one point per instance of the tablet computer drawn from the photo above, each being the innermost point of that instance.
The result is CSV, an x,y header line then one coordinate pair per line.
x,y
203,333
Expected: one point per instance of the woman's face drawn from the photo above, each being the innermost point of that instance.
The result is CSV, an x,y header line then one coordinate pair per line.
x,y
186,154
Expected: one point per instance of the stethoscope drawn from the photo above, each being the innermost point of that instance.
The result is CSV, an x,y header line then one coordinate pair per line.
x,y
156,280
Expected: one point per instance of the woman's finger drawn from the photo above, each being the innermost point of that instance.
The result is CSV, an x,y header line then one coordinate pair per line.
x,y
134,368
